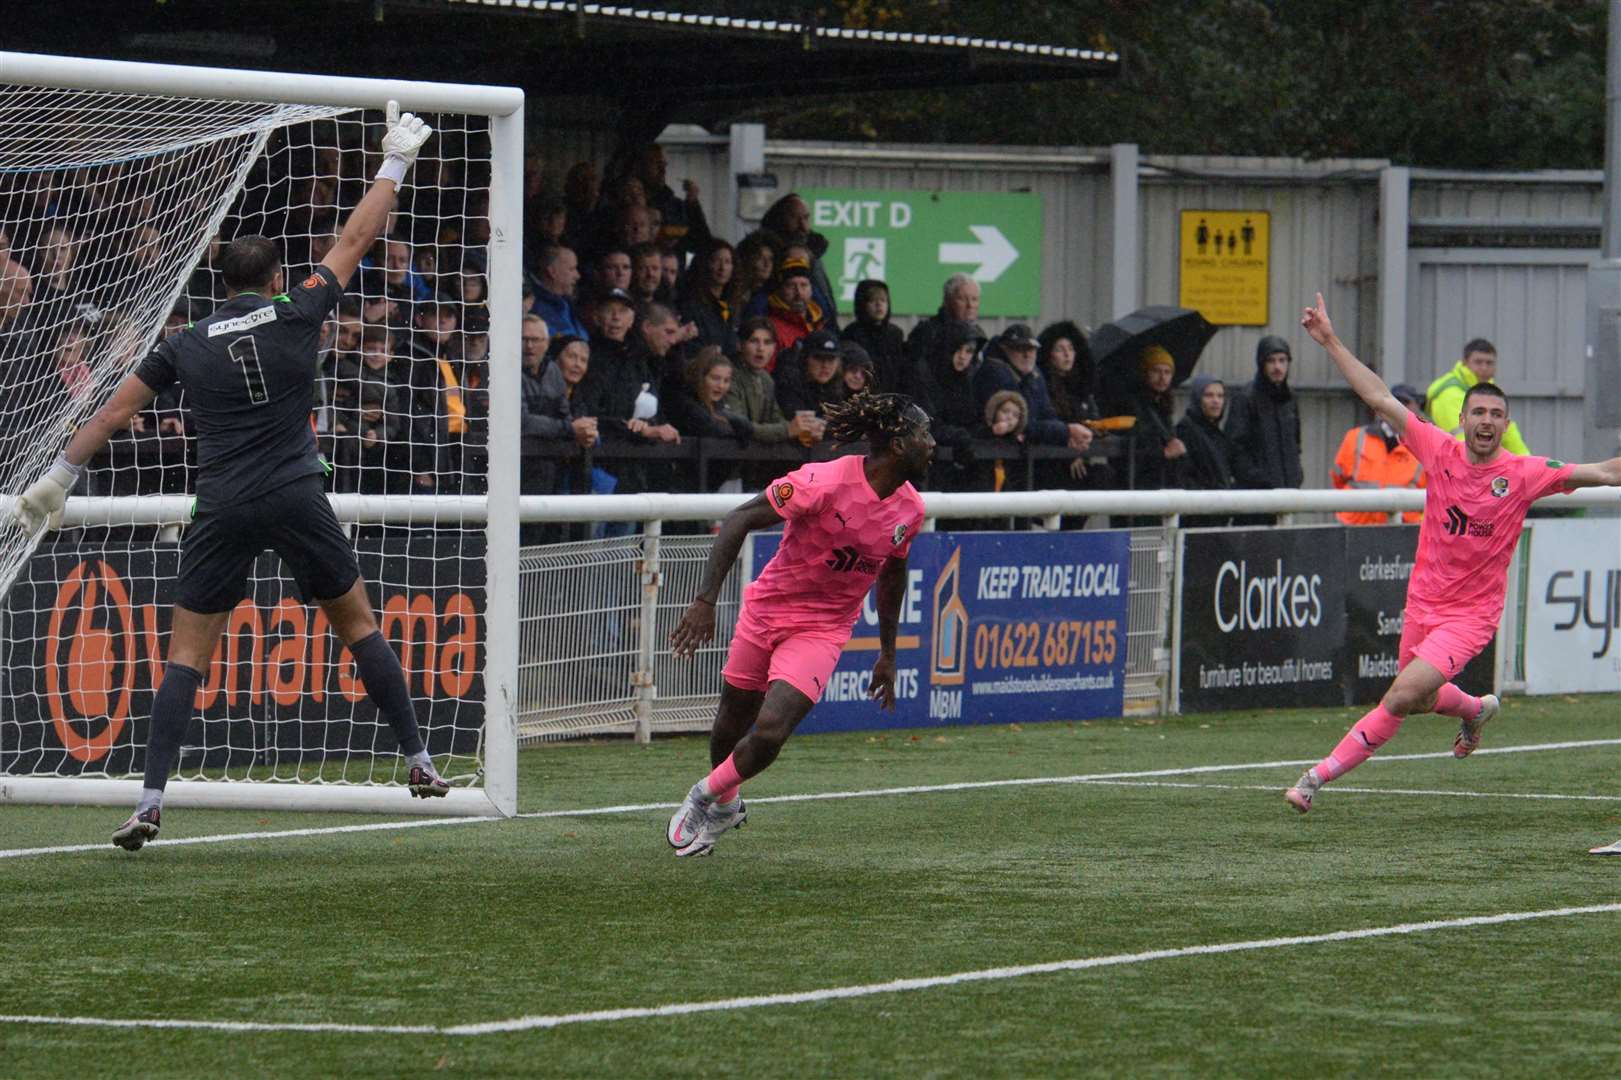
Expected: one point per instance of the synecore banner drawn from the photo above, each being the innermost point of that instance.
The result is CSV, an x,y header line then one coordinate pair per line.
x,y
86,633
1573,618
994,628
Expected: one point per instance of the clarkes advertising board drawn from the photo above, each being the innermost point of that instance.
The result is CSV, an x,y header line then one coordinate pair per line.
x,y
1573,618
86,634
1263,619
994,628
1298,617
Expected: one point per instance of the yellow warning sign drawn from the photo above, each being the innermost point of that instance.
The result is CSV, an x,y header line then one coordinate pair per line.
x,y
1224,265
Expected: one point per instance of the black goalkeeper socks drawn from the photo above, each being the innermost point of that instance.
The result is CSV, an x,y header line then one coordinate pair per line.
x,y
171,712
384,680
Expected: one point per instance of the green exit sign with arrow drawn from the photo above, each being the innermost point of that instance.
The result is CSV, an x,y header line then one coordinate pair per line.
x,y
914,240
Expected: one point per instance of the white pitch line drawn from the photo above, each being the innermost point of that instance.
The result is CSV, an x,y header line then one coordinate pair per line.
x,y
1362,790
819,796
1081,778
221,838
833,993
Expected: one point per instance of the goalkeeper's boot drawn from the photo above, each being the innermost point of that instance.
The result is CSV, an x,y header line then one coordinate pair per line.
x,y
1607,849
1305,788
724,818
1469,730
426,783
688,831
134,833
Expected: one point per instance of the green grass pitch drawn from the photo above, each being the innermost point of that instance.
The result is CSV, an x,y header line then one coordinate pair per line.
x,y
478,923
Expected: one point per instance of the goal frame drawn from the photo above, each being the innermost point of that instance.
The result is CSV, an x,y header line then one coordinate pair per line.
x,y
504,107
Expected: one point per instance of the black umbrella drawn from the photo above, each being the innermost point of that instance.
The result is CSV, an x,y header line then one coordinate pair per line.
x,y
1117,347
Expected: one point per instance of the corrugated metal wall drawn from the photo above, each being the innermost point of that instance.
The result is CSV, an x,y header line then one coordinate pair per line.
x,y
1324,236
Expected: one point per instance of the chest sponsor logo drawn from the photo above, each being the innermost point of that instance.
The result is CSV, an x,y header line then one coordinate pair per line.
x,y
1499,486
847,560
257,317
1461,524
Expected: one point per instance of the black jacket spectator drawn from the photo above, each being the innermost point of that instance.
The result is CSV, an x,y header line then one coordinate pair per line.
x,y
704,297
1210,451
1264,424
1069,371
1153,433
998,373
946,392
883,341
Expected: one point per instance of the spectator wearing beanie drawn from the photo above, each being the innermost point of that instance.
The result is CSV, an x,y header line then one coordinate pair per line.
x,y
792,311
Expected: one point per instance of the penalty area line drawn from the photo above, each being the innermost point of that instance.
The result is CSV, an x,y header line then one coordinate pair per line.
x,y
1361,790
541,1022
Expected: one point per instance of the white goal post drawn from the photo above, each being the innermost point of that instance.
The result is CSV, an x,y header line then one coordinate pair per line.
x,y
116,181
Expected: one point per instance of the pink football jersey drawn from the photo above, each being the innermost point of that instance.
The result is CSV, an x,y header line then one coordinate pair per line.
x,y
838,534
1473,515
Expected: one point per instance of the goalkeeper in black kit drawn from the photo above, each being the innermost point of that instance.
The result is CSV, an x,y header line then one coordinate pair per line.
x,y
249,370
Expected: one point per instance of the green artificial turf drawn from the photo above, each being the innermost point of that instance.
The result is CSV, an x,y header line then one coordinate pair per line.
x,y
474,922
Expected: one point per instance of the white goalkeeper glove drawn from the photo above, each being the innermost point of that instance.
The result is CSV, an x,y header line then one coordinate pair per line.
x,y
41,504
401,143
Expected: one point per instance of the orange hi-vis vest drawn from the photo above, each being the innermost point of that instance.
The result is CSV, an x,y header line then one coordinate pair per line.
x,y
1363,462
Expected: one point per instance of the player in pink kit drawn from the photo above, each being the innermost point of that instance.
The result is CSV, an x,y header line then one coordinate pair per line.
x,y
1474,509
849,522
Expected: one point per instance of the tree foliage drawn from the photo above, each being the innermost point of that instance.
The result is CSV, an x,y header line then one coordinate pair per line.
x,y
1496,84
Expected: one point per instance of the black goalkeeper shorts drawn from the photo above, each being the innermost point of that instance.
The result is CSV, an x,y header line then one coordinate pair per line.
x,y
296,520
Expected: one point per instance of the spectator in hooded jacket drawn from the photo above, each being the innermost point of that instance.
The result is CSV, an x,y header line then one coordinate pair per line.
x,y
1006,416
1264,423
943,383
1065,361
872,330
1209,461
860,376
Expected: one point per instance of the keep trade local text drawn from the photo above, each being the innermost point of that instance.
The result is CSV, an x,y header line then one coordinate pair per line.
x,y
1049,582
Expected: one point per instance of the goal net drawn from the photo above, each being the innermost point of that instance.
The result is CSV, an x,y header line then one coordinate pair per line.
x,y
118,185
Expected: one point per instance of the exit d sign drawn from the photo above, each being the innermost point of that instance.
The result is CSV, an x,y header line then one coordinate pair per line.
x,y
914,240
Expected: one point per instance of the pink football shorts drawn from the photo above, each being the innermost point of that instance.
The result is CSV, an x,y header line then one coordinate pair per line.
x,y
803,657
1445,644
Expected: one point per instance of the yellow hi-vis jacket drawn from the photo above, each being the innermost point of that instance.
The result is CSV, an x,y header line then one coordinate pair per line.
x,y
1444,403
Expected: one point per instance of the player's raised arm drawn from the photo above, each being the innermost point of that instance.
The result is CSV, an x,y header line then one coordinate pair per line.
x,y
42,502
1597,474
401,143
697,624
1362,379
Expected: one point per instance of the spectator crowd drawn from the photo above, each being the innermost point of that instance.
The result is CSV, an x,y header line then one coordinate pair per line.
x,y
642,330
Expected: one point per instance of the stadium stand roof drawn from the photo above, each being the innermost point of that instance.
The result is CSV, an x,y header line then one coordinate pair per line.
x,y
670,64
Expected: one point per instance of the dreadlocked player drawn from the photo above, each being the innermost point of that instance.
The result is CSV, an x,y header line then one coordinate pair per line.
x,y
849,521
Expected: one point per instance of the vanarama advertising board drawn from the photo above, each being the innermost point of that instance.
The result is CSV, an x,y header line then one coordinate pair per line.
x,y
994,628
86,633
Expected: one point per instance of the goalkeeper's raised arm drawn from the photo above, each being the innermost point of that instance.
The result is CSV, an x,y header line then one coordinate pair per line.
x,y
401,144
1362,379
